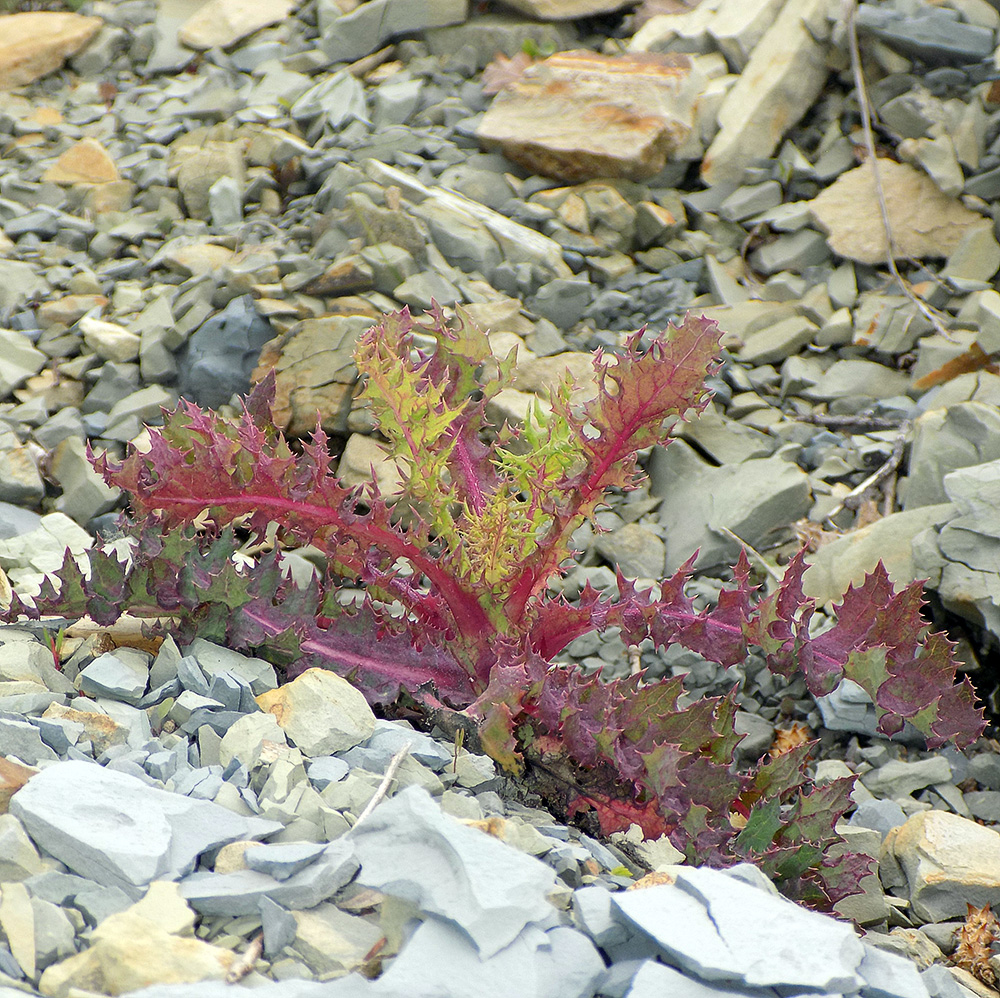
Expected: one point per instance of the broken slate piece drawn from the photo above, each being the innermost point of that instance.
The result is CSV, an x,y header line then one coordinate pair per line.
x,y
111,677
240,893
119,832
283,859
700,921
438,960
410,848
390,737
890,976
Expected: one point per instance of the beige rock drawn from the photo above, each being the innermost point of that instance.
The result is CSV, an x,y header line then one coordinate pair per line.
x,y
783,77
221,23
13,776
925,222
18,923
232,857
129,952
114,196
102,731
321,712
84,162
68,309
163,905
194,260
332,942
34,44
361,454
315,372
19,858
199,162
578,115
948,862
542,374
109,340
565,10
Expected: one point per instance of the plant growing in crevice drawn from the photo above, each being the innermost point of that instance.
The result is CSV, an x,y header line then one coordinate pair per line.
x,y
458,614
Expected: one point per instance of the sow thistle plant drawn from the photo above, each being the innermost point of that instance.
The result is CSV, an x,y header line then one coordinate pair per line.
x,y
458,617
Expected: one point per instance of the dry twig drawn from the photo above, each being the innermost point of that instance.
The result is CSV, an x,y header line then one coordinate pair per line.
x,y
244,963
383,788
849,10
887,468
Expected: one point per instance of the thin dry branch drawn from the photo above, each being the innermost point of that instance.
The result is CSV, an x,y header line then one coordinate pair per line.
x,y
849,10
383,788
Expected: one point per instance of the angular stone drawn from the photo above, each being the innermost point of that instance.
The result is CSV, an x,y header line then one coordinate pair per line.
x,y
221,23
948,861
314,371
578,115
410,849
112,677
118,831
321,712
566,10
129,951
853,377
34,44
240,892
370,25
84,162
750,499
900,779
438,960
925,222
364,455
779,341
331,941
700,920
783,77
635,550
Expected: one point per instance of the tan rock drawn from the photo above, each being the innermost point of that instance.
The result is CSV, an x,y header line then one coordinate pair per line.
x,y
18,924
315,372
925,222
221,23
163,905
783,77
34,44
565,10
542,374
13,776
102,730
198,162
578,115
948,862
129,952
321,712
68,309
195,259
232,856
333,942
114,196
363,453
84,162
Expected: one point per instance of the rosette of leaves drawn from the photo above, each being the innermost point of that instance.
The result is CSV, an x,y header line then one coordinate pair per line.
x,y
458,613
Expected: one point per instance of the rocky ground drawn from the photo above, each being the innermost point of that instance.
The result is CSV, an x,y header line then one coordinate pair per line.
x,y
193,193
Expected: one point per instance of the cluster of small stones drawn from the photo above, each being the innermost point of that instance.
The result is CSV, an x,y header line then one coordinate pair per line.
x,y
194,193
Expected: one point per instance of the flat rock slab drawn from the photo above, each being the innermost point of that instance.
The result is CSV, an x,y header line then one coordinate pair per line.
x,y
118,831
925,222
410,848
722,929
241,892
438,960
567,10
578,115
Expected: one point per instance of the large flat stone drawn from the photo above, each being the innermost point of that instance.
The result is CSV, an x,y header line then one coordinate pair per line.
x,y
722,929
120,832
36,43
925,223
578,115
410,848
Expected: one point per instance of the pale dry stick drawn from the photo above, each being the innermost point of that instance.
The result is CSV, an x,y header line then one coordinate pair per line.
x,y
849,9
383,788
242,966
886,469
